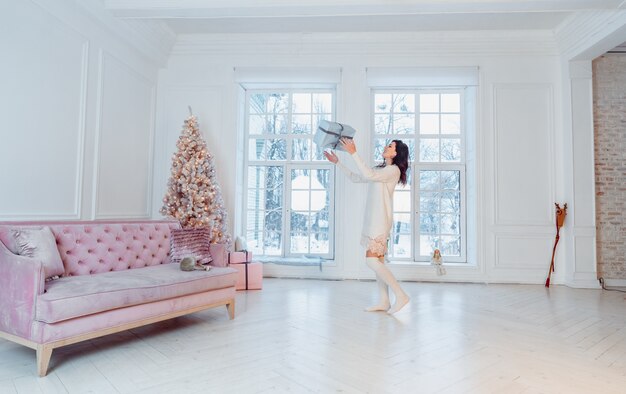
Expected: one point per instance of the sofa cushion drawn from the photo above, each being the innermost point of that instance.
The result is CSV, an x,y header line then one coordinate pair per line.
x,y
190,242
75,296
38,243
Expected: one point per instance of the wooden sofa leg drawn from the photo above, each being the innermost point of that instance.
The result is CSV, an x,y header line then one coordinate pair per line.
x,y
231,309
44,352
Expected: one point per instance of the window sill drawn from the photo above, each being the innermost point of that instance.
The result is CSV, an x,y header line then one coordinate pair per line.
x,y
296,261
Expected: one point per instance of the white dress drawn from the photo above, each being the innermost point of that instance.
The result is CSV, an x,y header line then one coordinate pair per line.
x,y
382,183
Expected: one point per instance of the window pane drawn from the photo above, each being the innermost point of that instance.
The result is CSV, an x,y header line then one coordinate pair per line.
x,y
403,103
256,199
382,124
273,198
450,124
428,243
318,153
269,177
301,124
382,102
300,221
450,180
322,103
429,223
450,246
322,177
277,103
301,103
256,220
258,103
429,180
254,239
276,149
319,220
257,124
404,124
274,220
300,200
450,202
429,150
451,102
450,224
450,150
319,242
402,223
299,242
429,103
429,202
429,124
275,124
301,149
402,201
402,245
272,243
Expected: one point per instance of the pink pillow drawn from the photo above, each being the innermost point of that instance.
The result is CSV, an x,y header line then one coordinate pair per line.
x,y
192,242
39,243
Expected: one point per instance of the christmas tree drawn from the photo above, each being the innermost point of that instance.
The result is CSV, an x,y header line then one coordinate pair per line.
x,y
193,195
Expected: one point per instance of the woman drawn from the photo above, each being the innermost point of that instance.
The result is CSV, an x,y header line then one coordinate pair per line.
x,y
379,213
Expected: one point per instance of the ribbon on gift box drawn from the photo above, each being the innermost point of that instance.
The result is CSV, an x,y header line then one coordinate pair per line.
x,y
325,127
339,136
245,263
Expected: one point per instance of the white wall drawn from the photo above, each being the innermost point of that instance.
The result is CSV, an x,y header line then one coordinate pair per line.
x,y
517,122
77,109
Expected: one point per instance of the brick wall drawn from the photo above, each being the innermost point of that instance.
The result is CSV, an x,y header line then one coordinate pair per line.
x,y
609,105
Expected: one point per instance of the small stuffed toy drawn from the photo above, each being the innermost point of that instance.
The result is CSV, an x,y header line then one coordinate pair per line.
x,y
437,261
190,264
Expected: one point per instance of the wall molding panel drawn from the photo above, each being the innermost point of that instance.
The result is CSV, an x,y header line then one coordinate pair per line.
x,y
113,188
523,128
46,112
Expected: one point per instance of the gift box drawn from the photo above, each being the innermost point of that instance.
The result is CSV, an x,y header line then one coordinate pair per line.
x,y
239,257
329,133
249,276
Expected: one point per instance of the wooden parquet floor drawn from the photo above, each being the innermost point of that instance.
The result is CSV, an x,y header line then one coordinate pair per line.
x,y
301,336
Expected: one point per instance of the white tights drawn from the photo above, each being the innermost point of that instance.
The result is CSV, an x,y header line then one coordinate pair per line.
x,y
385,280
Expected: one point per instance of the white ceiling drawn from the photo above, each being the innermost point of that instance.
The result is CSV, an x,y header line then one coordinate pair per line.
x,y
276,16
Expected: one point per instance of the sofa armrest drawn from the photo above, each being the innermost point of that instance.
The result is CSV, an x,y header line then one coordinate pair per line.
x,y
21,280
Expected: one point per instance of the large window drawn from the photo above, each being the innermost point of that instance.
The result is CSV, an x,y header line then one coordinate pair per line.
x,y
289,185
429,212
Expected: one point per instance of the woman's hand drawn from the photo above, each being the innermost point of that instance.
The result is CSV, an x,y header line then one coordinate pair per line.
x,y
331,156
348,145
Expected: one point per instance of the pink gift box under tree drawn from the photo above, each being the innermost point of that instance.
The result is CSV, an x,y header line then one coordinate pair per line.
x,y
239,257
249,275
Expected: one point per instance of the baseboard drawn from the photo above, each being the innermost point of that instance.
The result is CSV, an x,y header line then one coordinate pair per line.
x,y
590,283
615,282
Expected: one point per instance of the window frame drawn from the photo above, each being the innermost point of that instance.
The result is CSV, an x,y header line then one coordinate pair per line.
x,y
288,165
416,166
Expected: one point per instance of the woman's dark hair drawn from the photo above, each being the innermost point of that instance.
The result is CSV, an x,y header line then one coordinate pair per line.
x,y
401,160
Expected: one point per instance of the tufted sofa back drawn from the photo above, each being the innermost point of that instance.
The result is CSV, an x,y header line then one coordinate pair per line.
x,y
91,247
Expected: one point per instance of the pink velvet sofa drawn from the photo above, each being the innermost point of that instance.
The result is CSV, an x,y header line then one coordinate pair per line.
x,y
117,276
